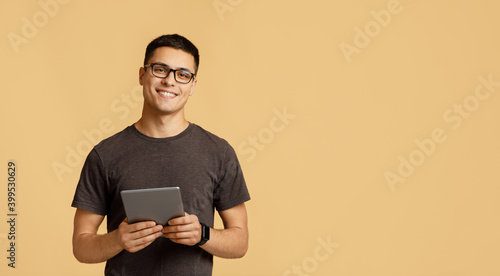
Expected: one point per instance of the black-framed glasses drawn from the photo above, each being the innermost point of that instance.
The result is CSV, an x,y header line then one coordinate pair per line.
x,y
161,70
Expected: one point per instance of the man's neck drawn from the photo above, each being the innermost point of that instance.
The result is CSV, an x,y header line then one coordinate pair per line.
x,y
161,127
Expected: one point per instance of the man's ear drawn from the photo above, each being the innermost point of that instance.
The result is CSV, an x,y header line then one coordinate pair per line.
x,y
142,71
193,87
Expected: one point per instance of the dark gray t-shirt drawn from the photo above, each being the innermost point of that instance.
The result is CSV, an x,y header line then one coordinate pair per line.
x,y
204,166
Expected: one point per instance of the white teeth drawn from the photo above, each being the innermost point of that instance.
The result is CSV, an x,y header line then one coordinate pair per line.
x,y
168,94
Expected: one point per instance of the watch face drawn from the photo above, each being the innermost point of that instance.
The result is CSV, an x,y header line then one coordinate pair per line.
x,y
205,234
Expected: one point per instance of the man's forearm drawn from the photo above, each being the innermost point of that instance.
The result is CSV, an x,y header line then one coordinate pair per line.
x,y
227,243
96,248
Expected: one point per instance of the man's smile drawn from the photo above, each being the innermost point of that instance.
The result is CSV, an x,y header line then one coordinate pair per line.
x,y
167,94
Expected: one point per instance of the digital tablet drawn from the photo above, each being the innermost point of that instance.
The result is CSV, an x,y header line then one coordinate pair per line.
x,y
156,204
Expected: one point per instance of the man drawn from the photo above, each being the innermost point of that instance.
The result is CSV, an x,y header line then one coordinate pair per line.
x,y
162,149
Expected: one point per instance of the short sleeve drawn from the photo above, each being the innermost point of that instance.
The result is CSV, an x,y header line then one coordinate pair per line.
x,y
231,189
91,192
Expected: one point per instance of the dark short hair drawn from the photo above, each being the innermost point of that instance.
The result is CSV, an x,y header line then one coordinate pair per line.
x,y
175,41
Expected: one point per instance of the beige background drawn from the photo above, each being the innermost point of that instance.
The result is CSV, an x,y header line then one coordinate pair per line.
x,y
322,100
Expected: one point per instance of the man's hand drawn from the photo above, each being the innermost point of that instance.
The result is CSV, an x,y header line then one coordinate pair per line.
x,y
134,237
183,230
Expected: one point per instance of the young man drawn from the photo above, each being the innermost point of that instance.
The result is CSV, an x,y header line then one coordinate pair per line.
x,y
162,149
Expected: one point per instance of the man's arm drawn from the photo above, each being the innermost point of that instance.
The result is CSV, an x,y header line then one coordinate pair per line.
x,y
90,247
230,242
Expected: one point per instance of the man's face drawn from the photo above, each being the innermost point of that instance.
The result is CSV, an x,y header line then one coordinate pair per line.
x,y
167,96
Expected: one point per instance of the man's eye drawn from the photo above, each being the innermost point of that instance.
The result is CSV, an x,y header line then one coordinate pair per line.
x,y
183,75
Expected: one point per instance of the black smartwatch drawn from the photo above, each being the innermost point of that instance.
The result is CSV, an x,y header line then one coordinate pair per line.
x,y
205,234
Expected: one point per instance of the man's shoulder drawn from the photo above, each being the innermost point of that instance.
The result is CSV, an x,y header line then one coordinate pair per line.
x,y
116,140
209,137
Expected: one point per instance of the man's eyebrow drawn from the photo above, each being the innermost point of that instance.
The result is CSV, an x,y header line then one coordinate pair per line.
x,y
179,68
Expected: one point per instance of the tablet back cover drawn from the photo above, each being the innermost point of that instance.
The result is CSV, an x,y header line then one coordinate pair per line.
x,y
156,204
